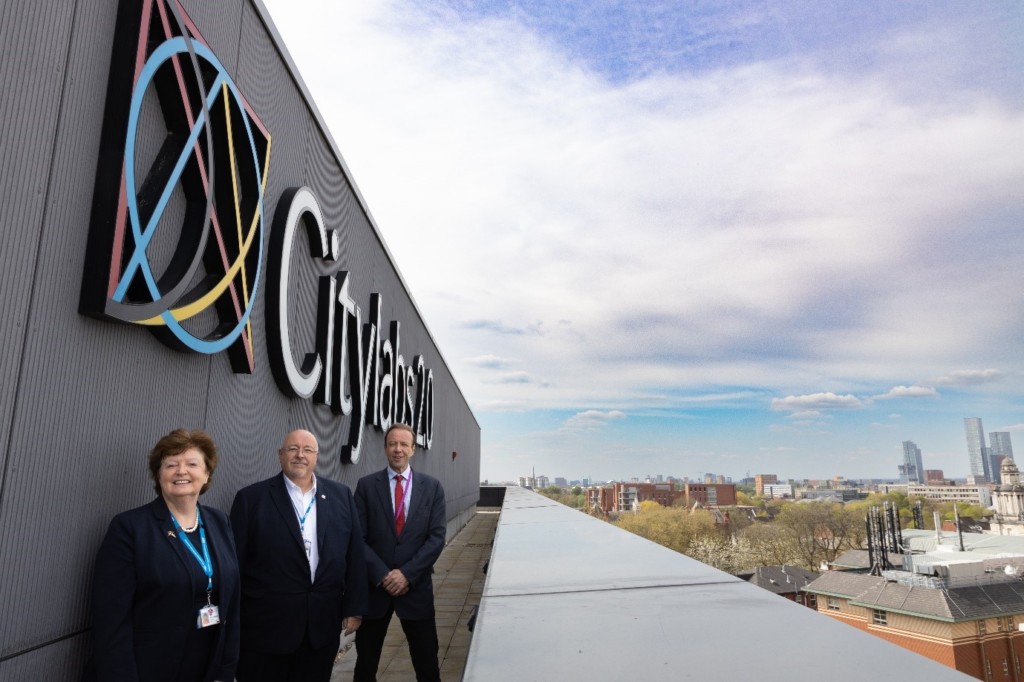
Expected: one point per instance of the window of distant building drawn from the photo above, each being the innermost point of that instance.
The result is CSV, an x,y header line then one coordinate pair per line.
x,y
879,617
981,628
811,600
833,604
1009,623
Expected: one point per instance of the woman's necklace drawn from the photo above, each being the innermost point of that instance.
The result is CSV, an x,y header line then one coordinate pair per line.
x,y
194,525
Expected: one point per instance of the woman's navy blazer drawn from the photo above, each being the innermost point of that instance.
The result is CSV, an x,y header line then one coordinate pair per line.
x,y
143,601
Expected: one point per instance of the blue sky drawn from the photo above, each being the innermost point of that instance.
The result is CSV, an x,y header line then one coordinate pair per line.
x,y
677,238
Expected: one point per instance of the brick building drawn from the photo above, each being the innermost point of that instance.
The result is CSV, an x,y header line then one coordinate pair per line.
x,y
972,628
761,480
621,497
601,497
710,494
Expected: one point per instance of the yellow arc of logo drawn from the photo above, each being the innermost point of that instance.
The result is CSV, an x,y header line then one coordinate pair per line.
x,y
192,309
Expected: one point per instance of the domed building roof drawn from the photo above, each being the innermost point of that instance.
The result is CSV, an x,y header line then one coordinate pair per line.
x,y
1010,476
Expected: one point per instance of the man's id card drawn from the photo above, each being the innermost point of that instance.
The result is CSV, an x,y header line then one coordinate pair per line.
x,y
208,615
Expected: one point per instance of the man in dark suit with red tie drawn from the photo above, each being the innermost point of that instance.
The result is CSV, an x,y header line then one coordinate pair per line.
x,y
300,551
404,521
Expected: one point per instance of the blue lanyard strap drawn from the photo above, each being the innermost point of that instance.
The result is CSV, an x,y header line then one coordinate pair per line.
x,y
302,518
204,561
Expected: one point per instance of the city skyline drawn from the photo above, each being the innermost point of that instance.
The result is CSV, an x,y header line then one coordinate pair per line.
x,y
680,237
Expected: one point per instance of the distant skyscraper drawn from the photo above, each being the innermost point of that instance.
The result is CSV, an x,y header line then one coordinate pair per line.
x,y
912,469
977,453
1000,448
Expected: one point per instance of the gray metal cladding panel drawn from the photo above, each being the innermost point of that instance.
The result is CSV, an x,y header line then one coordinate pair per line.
x,y
78,447
32,81
62,660
218,22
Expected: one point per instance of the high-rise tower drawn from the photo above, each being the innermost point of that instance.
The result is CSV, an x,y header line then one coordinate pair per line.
x,y
977,453
999,448
912,469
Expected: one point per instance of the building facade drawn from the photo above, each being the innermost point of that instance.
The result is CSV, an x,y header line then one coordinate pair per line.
x,y
710,494
627,496
970,494
977,452
141,294
1008,498
761,480
774,490
912,469
972,629
1000,448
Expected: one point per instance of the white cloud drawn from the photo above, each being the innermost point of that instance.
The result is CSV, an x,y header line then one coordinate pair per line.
x,y
816,401
592,419
684,240
514,378
909,392
968,377
489,362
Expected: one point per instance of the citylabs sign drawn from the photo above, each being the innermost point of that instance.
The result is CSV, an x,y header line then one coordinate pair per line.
x,y
176,242
352,368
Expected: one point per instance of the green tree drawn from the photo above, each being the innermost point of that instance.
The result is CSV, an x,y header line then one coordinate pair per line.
x,y
673,527
725,554
769,544
568,499
821,530
745,499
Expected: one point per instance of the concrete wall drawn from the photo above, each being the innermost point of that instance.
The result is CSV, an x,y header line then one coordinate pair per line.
x,y
82,400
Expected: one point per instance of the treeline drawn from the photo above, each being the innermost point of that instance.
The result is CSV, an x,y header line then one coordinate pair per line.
x,y
767,533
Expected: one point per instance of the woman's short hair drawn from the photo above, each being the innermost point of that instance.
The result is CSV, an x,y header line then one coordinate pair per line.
x,y
177,442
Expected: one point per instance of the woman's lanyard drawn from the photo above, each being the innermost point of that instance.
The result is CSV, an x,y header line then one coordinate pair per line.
x,y
204,561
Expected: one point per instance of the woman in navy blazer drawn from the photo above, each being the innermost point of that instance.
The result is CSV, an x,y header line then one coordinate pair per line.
x,y
166,590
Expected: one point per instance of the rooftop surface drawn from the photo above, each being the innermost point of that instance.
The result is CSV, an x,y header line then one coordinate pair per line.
x,y
458,584
568,596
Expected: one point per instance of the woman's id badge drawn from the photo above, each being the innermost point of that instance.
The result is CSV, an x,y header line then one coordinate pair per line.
x,y
208,615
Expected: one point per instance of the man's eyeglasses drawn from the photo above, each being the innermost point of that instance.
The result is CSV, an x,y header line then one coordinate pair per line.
x,y
295,449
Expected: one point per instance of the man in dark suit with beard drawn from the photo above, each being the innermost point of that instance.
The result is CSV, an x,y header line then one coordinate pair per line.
x,y
300,551
404,521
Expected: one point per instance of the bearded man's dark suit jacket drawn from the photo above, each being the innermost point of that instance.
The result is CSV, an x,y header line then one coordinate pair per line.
x,y
279,602
414,553
144,599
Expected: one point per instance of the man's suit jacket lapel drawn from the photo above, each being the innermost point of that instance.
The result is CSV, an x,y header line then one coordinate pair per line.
x,y
327,510
283,503
418,498
383,488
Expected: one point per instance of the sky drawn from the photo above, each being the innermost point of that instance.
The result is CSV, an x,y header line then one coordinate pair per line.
x,y
677,238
